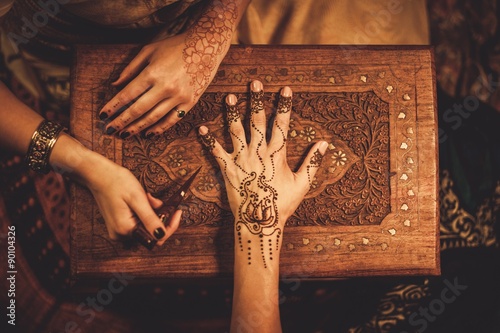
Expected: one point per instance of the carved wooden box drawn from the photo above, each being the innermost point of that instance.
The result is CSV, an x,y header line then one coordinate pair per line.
x,y
372,208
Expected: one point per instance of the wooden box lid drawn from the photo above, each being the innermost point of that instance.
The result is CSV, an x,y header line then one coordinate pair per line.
x,y
373,208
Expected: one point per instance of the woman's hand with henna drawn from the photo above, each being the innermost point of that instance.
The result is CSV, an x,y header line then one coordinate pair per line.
x,y
167,77
263,192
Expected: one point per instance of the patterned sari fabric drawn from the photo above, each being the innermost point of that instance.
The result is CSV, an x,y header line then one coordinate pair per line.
x,y
465,298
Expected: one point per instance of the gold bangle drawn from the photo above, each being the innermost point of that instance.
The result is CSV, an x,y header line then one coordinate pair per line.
x,y
42,141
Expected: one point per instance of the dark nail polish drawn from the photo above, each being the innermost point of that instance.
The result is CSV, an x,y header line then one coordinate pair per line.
x,y
150,135
103,115
159,233
110,130
125,134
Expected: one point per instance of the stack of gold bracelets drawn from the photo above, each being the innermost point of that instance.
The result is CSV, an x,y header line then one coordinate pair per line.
x,y
42,143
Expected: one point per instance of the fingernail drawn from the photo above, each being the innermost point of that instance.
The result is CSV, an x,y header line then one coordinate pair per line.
x,y
103,115
150,135
110,130
256,86
286,92
231,99
322,147
203,130
159,233
125,134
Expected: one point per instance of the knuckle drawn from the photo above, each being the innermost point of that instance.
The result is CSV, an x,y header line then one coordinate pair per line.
x,y
155,117
177,90
217,150
149,74
168,87
118,124
238,131
135,112
282,122
259,121
123,98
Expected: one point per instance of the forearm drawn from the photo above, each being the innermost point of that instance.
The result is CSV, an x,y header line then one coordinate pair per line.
x,y
256,281
237,7
5,6
18,124
229,11
209,39
262,192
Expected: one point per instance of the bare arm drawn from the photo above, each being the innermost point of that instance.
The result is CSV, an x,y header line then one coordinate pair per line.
x,y
5,6
118,193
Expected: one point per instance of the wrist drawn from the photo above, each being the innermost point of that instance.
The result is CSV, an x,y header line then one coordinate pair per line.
x,y
81,164
257,248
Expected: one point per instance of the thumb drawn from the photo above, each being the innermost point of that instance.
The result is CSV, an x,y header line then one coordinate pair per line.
x,y
172,226
312,162
154,202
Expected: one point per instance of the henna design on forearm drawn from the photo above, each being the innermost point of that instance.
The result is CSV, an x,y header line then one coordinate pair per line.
x,y
207,40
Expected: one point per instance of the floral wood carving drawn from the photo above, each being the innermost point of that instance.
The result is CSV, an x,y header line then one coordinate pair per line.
x,y
351,188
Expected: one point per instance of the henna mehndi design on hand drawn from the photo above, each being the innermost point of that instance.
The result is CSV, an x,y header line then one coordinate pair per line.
x,y
256,103
257,208
315,162
284,104
259,213
208,141
232,113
